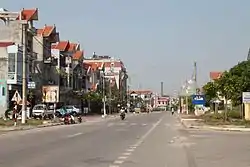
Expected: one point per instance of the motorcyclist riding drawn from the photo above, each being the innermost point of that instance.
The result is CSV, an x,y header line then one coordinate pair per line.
x,y
122,113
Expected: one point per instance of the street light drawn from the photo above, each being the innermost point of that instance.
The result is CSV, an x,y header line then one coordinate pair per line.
x,y
104,96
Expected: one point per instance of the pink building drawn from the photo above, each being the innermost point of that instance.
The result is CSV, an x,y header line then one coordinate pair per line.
x,y
160,102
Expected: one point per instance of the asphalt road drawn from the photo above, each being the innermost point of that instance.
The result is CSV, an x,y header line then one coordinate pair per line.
x,y
147,140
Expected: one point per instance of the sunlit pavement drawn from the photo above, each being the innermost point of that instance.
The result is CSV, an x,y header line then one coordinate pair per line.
x,y
144,140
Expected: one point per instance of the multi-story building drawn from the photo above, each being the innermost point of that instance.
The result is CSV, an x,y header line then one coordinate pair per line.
x,y
16,26
70,71
160,102
43,68
114,70
144,95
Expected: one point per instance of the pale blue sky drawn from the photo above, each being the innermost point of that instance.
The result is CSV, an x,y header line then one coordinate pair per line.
x,y
158,40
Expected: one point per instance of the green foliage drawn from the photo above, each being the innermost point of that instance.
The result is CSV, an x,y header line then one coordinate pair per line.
x,y
231,84
93,96
211,91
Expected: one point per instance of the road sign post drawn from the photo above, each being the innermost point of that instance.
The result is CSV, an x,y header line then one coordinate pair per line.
x,y
16,98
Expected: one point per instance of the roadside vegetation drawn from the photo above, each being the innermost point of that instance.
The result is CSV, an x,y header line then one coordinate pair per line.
x,y
224,96
30,122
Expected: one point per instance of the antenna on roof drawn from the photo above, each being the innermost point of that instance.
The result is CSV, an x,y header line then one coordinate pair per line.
x,y
248,55
94,55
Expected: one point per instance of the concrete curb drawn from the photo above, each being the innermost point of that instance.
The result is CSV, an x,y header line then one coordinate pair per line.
x,y
235,129
22,128
29,127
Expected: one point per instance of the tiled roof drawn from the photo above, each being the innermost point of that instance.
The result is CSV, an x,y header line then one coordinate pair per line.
x,y
141,91
77,55
29,14
46,31
6,44
115,64
94,65
215,75
62,46
73,46
65,46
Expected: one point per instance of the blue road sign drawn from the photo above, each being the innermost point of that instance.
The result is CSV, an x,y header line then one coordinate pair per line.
x,y
198,99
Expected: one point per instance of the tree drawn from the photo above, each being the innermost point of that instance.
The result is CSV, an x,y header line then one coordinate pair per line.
x,y
94,100
235,81
211,91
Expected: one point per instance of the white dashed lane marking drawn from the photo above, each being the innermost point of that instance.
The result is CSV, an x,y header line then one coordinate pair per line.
x,y
120,160
74,135
122,157
126,124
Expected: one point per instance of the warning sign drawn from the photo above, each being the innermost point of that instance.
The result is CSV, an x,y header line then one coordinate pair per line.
x,y
16,97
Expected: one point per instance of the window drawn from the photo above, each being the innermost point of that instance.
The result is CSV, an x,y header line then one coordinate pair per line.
x,y
12,63
3,91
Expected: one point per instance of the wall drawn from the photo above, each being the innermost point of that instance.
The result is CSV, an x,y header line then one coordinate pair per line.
x,y
11,32
3,96
3,63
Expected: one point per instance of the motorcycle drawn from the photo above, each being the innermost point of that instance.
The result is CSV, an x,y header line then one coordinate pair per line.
x,y
68,119
79,118
122,115
172,111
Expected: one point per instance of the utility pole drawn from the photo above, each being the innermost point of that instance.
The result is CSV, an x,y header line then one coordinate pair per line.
x,y
110,96
24,79
104,96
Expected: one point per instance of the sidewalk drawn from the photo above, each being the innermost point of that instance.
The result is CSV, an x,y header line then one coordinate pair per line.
x,y
85,119
193,123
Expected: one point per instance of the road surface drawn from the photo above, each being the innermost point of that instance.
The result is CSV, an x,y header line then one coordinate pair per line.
x,y
146,140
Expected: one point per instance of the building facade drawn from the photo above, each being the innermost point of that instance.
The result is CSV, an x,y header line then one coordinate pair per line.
x,y
16,28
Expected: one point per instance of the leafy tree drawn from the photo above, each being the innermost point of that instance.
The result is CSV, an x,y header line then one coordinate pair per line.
x,y
211,91
235,81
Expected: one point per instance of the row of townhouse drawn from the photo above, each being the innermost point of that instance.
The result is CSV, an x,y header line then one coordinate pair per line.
x,y
56,69
112,70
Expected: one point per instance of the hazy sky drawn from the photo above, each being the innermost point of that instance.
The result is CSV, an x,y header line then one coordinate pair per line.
x,y
158,40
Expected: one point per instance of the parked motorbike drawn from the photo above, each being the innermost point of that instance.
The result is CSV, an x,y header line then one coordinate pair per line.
x,y
79,118
68,119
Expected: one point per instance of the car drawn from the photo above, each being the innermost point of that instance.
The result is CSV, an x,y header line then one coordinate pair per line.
x,y
73,110
41,111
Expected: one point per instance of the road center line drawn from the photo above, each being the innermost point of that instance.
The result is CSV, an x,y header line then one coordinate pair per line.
x,y
122,157
133,147
74,135
118,162
148,132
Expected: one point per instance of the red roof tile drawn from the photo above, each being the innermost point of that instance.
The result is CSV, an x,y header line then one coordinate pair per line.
x,y
115,64
6,44
29,14
62,46
141,91
215,75
46,31
73,46
94,65
77,55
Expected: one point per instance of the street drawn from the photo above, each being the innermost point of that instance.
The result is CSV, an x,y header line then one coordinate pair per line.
x,y
155,139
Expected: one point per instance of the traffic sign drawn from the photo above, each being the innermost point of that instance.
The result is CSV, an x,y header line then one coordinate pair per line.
x,y
16,97
31,85
246,97
198,99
